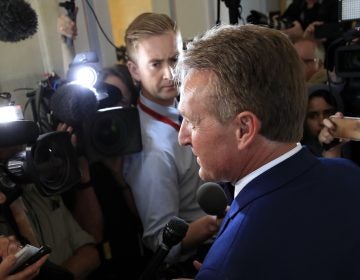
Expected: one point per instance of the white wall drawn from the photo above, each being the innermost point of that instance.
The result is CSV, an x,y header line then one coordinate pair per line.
x,y
23,64
196,16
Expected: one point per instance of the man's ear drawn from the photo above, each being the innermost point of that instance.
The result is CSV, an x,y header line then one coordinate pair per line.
x,y
248,126
134,70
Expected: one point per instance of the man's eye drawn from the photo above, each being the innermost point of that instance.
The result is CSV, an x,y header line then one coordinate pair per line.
x,y
188,123
173,61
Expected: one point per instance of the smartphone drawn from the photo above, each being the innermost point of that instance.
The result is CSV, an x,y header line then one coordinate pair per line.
x,y
28,255
347,127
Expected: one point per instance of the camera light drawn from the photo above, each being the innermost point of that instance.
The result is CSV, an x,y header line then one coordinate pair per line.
x,y
349,10
10,113
86,76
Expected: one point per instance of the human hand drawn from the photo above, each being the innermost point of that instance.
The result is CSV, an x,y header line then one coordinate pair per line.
x,y
310,31
66,26
326,134
9,246
295,32
197,265
82,161
114,164
70,130
332,146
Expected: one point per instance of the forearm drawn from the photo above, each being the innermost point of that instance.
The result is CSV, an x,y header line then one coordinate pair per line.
x,y
83,262
68,54
88,213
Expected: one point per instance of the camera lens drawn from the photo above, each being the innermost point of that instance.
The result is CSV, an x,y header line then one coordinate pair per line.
x,y
50,161
54,163
109,133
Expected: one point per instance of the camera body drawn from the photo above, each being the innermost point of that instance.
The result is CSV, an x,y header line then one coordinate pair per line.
x,y
103,128
275,21
343,57
347,61
111,131
328,31
50,162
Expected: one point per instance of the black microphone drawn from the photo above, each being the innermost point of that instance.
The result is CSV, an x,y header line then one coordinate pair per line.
x,y
73,104
18,20
212,199
174,231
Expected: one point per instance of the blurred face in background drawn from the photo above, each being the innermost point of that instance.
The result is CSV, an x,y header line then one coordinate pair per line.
x,y
318,110
306,51
126,93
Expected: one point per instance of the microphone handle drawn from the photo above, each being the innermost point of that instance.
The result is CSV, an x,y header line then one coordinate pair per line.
x,y
155,263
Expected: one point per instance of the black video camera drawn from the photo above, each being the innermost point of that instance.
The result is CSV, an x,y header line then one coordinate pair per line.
x,y
47,160
343,56
103,128
278,22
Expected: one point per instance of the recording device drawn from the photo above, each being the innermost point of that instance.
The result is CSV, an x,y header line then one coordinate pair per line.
x,y
103,128
342,55
18,21
347,127
328,30
174,231
27,256
50,163
47,160
212,199
259,18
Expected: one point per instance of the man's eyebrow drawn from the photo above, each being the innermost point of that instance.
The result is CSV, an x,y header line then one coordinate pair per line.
x,y
155,60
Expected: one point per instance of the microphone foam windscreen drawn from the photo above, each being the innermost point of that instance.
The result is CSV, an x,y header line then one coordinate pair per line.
x,y
212,199
73,103
18,20
174,231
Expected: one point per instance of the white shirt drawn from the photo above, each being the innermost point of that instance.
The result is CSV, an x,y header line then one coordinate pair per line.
x,y
239,185
163,176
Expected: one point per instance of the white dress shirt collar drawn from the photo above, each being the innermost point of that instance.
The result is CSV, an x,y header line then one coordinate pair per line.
x,y
239,185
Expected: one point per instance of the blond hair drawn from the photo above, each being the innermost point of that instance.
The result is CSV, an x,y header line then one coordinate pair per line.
x,y
144,26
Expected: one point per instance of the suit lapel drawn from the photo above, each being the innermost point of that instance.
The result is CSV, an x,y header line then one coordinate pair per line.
x,y
269,181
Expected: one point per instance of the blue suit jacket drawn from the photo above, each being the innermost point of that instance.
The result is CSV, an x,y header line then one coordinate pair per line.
x,y
298,220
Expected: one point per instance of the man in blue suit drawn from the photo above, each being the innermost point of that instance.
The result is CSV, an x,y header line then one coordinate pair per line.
x,y
294,216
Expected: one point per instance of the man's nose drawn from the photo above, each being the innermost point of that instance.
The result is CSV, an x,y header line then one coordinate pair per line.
x,y
183,136
167,73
